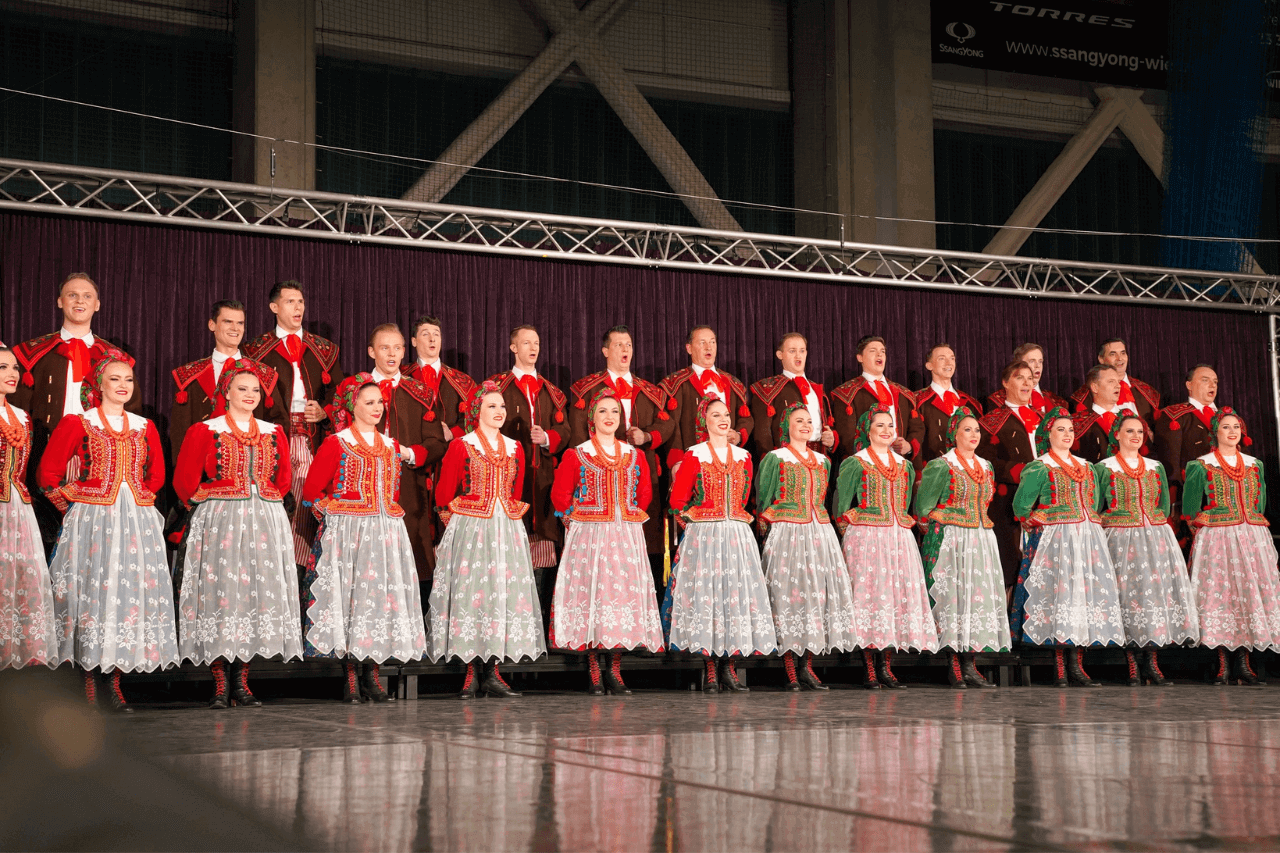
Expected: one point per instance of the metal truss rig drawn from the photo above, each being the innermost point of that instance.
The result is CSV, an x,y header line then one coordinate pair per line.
x,y
136,197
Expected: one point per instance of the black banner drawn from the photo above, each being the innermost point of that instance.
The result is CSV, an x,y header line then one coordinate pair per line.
x,y
1078,40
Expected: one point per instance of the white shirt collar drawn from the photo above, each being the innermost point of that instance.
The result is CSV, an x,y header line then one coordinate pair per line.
x,y
1199,406
379,376
790,375
870,378
220,359
939,390
435,365
1100,410
281,333
521,373
626,377
67,336
698,370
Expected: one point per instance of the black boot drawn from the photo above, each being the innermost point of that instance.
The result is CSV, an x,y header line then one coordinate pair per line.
x,y
884,670
1059,669
955,675
114,695
971,674
351,689
471,683
90,686
1075,669
1151,669
807,677
1135,680
221,697
1219,677
1244,672
712,684
729,678
371,684
613,676
870,682
494,685
240,692
595,686
789,664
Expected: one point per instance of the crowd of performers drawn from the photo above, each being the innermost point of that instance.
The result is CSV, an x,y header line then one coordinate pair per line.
x,y
409,513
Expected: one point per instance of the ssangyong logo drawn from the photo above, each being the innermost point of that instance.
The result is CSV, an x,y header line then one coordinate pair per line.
x,y
955,28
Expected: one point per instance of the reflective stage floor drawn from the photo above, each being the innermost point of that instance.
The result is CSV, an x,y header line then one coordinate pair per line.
x,y
1186,767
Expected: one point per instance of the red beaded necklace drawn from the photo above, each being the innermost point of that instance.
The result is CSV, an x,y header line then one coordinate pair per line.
x,y
1136,472
499,455
1072,469
977,473
1236,471
109,429
890,470
244,436
12,430
809,461
608,461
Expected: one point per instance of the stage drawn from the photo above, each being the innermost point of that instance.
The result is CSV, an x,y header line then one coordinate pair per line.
x,y
1189,766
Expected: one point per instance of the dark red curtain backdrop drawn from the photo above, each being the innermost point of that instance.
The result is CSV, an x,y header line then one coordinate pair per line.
x,y
158,282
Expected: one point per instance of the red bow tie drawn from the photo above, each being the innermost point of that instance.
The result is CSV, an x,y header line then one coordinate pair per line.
x,y
530,385
430,377
1206,416
802,385
710,379
1030,419
388,389
884,396
948,402
622,389
293,348
1126,393
1038,401
76,351
1107,419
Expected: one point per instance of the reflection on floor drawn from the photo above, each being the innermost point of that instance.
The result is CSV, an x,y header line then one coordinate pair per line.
x,y
923,769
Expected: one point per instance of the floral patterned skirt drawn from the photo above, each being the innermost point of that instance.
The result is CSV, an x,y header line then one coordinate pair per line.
x,y
717,602
890,602
364,594
112,594
1066,593
966,588
26,598
604,590
1157,601
239,596
484,603
1233,570
808,588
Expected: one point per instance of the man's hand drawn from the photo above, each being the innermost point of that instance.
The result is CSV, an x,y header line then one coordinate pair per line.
x,y
828,438
637,436
314,412
901,446
735,437
448,432
538,436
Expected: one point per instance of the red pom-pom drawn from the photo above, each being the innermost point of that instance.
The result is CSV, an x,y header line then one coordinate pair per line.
x,y
559,417
324,377
462,407
743,411
995,439
268,402
1002,489
848,410
1174,425
671,403
914,413
28,379
429,416
663,416
180,397
1248,442
581,404
771,411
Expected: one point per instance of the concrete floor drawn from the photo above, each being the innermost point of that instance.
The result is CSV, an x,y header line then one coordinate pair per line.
x,y
1184,767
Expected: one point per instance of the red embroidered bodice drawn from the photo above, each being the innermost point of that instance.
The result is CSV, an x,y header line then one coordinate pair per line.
x,y
471,483
107,461
589,489
13,464
215,464
347,479
711,488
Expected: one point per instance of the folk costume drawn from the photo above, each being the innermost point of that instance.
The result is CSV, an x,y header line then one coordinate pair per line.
x,y
1233,559
239,594
773,396
859,395
809,590
532,399
197,399
1008,443
410,417
363,602
1182,434
1093,428
484,605
1157,600
717,601
644,405
686,389
603,597
453,390
936,405
113,597
26,599
962,558
307,367
1135,395
1067,593
1041,400
890,602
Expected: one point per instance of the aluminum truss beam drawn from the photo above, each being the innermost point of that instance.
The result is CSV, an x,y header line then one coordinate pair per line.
x,y
135,197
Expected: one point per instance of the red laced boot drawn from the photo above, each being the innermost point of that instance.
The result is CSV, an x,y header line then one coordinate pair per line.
x,y
712,684
90,686
954,675
869,663
613,677
1060,669
808,678
1151,669
371,683
115,695
220,698
885,671
1135,680
352,688
494,685
789,664
596,688
1075,669
471,682
240,692
1220,677
729,678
